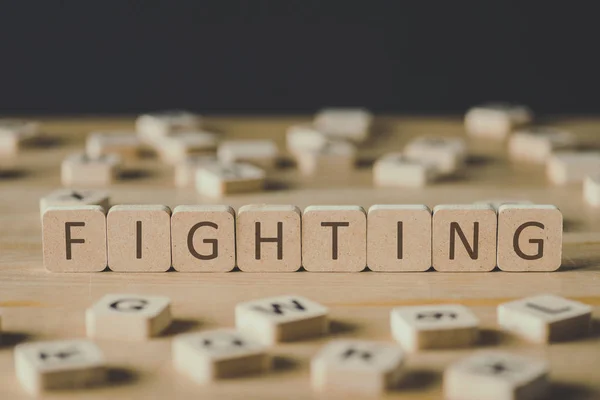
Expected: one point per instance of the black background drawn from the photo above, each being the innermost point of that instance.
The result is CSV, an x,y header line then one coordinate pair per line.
x,y
296,56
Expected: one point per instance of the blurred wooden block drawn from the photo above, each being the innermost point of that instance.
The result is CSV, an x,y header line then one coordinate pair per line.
x,y
178,147
344,123
464,238
126,144
591,189
434,327
396,170
13,133
304,137
64,364
399,238
281,319
496,376
261,153
357,367
335,158
75,197
446,154
128,317
571,167
80,170
74,239
217,180
139,238
154,126
185,171
222,353
545,318
529,237
334,239
537,144
268,238
203,238
496,121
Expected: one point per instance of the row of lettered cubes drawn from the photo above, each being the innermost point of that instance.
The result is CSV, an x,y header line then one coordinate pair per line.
x,y
281,238
352,366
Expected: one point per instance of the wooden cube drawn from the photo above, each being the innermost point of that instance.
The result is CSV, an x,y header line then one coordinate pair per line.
x,y
538,143
334,239
357,367
491,375
216,354
304,137
177,147
75,197
281,319
13,133
139,238
344,123
335,158
446,154
571,167
74,239
63,364
269,238
545,318
529,237
399,238
261,153
396,170
217,180
497,120
154,126
126,144
434,327
80,170
203,238
185,171
128,317
591,189
464,238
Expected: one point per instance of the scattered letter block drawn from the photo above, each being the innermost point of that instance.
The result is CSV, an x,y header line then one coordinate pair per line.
x,y
537,144
496,121
261,153
394,169
203,238
335,158
81,170
281,319
571,167
344,123
216,354
139,238
127,145
75,197
152,127
15,132
217,180
268,238
529,237
357,367
74,239
65,364
334,238
496,376
545,318
434,327
300,138
185,171
128,317
464,238
446,154
399,238
591,189
178,147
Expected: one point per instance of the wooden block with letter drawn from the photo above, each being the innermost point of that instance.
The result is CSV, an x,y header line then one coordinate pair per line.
x,y
74,239
571,167
395,169
529,237
177,147
281,319
139,238
357,367
545,318
304,137
261,153
496,120
75,197
434,326
334,239
389,249
591,189
126,144
269,238
334,158
203,238
537,144
128,317
217,354
15,132
464,238
446,154
185,171
154,126
80,170
217,180
345,123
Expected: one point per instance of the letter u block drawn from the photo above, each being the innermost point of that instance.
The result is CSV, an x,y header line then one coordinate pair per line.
x,y
529,237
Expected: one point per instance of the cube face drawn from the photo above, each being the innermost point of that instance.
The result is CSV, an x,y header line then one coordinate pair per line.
x,y
361,366
334,158
74,239
177,147
280,319
334,238
495,121
464,238
300,138
126,144
261,153
79,169
139,238
394,169
571,167
75,197
217,180
389,249
591,189
446,154
529,237
435,326
537,144
545,318
268,238
128,317
344,123
203,238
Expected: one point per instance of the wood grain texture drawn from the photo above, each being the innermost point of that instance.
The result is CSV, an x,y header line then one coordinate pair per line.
x,y
38,305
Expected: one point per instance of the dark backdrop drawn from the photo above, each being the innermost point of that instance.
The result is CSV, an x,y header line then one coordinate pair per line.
x,y
296,56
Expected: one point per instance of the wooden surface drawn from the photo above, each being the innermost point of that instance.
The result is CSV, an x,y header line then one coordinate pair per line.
x,y
40,305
